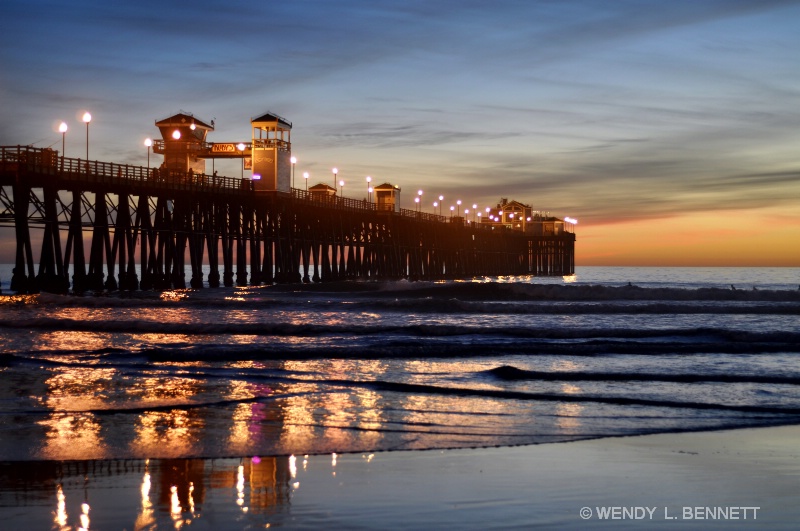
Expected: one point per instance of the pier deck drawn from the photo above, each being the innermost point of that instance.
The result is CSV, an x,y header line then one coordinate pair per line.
x,y
128,215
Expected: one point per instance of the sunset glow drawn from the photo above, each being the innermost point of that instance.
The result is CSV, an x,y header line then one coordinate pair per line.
x,y
668,130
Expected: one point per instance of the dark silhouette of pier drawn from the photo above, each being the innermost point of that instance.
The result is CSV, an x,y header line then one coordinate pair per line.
x,y
99,220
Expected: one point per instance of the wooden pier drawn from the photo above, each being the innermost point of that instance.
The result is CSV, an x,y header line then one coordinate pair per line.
x,y
163,221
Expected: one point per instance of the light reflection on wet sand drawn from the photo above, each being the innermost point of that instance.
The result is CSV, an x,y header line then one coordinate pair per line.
x,y
466,489
72,436
194,408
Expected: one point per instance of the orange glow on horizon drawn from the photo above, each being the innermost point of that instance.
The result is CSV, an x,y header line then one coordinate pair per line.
x,y
746,238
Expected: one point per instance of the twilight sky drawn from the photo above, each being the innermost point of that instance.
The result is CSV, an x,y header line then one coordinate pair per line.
x,y
671,130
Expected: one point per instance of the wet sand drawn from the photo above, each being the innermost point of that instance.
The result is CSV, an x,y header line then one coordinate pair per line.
x,y
741,479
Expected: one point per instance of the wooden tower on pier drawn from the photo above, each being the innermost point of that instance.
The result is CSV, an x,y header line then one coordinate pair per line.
x,y
183,143
387,196
271,153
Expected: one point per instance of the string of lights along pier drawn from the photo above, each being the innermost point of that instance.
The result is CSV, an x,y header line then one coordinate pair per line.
x,y
106,226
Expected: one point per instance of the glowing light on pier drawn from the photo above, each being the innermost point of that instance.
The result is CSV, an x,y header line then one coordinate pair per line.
x,y
240,146
63,130
306,176
148,142
176,134
86,119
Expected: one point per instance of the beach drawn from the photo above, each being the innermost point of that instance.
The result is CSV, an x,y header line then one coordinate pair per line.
x,y
740,479
633,398
547,485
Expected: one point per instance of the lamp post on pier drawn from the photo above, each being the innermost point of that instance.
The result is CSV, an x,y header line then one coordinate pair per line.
x,y
63,130
369,189
241,147
305,176
148,142
441,198
335,172
86,119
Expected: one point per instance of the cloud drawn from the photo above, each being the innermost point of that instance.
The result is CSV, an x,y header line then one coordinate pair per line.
x,y
607,110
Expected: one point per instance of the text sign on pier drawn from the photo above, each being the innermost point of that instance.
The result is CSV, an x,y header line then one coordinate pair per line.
x,y
223,148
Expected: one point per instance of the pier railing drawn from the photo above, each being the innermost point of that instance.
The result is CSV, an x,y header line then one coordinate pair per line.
x,y
154,218
48,162
45,161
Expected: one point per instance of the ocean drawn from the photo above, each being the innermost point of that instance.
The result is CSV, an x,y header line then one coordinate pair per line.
x,y
233,375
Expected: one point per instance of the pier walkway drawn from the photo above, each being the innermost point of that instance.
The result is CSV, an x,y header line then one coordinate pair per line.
x,y
128,215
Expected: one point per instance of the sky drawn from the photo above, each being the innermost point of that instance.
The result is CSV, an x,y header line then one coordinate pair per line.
x,y
669,130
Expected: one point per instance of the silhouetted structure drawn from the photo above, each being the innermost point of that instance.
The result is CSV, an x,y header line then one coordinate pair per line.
x,y
155,218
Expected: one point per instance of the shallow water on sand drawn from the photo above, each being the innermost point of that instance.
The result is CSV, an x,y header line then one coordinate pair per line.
x,y
246,407
364,367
